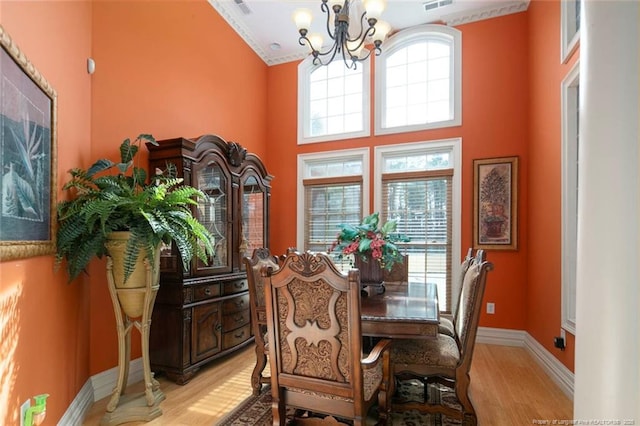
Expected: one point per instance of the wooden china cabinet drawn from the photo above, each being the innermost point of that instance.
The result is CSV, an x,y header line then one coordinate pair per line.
x,y
202,312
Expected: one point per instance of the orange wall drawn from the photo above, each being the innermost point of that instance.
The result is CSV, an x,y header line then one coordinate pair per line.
x,y
44,322
545,197
161,68
495,108
159,71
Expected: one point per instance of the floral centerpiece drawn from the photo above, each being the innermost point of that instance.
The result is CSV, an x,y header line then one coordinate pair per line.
x,y
367,240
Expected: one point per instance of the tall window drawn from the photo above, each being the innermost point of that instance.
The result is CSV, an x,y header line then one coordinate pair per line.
x,y
333,191
418,80
570,190
419,186
333,101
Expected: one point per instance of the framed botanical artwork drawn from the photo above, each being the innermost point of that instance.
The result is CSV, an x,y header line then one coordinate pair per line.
x,y
495,203
27,156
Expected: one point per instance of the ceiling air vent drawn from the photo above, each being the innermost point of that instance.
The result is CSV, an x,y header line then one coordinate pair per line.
x,y
435,4
243,7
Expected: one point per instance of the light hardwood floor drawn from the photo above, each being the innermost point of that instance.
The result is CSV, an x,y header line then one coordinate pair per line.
x,y
507,388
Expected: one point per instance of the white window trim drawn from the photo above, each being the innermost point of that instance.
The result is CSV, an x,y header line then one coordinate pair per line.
x,y
400,40
569,198
569,36
304,69
305,159
453,146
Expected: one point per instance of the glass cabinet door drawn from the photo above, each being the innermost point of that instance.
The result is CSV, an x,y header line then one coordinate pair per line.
x,y
253,207
213,213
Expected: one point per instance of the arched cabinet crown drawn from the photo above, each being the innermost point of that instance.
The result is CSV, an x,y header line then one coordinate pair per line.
x,y
202,312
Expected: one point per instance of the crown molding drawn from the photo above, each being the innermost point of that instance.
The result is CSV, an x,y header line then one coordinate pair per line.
x,y
488,13
242,30
245,33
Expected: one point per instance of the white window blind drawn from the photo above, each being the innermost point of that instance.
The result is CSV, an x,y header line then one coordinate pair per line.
x,y
331,190
421,203
331,202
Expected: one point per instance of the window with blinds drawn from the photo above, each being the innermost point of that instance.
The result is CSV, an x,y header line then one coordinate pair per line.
x,y
334,189
330,202
421,203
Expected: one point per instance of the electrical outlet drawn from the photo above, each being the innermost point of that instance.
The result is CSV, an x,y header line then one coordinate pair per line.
x,y
491,308
23,410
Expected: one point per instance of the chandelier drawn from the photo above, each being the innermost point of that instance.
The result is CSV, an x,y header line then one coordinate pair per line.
x,y
346,43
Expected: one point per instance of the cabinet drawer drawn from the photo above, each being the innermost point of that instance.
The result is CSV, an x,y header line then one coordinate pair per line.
x,y
236,319
238,286
235,337
235,304
203,292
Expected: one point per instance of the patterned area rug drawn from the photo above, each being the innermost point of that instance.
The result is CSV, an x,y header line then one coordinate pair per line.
x,y
256,410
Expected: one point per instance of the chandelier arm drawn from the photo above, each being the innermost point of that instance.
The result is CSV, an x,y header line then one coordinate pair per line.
x,y
332,51
361,43
352,58
362,59
362,26
325,9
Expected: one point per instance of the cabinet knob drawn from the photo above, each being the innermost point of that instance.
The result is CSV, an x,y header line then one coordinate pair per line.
x,y
239,335
240,318
218,327
240,302
207,291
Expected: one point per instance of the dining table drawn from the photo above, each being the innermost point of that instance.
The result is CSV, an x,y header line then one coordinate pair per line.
x,y
409,311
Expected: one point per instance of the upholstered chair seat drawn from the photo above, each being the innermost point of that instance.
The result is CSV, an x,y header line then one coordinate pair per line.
x,y
440,352
446,326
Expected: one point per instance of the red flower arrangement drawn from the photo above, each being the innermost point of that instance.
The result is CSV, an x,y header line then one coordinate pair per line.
x,y
367,240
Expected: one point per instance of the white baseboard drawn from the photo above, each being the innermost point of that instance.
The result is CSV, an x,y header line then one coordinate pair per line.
x,y
79,406
97,387
500,336
102,384
561,375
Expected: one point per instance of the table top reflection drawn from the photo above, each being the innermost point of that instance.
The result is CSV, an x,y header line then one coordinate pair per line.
x,y
406,312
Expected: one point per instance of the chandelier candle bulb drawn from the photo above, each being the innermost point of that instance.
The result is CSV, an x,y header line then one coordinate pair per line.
x,y
382,29
316,41
374,8
303,18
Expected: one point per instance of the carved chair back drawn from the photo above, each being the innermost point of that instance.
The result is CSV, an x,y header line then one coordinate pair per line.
x,y
315,340
260,258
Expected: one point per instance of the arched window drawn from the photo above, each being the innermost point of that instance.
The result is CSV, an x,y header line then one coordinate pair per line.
x,y
333,101
418,80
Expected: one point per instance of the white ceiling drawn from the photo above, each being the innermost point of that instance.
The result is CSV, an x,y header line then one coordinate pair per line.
x,y
270,21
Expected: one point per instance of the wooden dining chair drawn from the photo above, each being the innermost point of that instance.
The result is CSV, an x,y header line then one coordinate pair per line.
x,y
260,257
446,357
446,325
315,343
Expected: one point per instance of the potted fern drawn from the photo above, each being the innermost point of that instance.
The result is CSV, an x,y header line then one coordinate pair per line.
x,y
152,212
128,218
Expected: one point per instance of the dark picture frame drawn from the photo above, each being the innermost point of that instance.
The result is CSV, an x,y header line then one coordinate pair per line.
x,y
28,156
495,203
